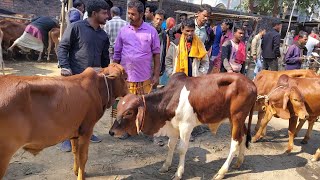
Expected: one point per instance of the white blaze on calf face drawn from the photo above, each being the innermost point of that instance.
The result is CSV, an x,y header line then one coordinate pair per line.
x,y
123,102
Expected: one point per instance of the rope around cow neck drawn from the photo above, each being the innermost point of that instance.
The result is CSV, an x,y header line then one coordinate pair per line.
x,y
106,81
267,97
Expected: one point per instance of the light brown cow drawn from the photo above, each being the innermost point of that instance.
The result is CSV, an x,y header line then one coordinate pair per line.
x,y
267,80
185,103
53,39
284,102
38,112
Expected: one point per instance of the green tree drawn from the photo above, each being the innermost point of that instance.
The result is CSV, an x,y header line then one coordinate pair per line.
x,y
273,7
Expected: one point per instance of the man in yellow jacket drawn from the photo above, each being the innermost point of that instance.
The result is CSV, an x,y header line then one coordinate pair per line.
x,y
187,54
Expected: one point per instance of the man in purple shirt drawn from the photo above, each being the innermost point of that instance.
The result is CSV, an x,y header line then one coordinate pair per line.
x,y
295,54
136,47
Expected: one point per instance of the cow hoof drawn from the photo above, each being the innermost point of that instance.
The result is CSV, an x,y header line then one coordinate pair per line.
x,y
164,169
254,139
288,151
219,176
75,173
237,165
175,177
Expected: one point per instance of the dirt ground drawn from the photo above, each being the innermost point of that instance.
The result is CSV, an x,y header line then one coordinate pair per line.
x,y
139,158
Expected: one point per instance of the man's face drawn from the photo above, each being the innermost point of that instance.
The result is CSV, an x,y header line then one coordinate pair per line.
x,y
245,25
188,32
183,18
157,20
81,8
134,16
101,17
148,14
224,27
304,40
203,17
278,27
263,32
239,34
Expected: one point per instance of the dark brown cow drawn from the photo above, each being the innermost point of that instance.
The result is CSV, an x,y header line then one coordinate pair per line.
x,y
284,102
267,80
53,39
185,103
38,112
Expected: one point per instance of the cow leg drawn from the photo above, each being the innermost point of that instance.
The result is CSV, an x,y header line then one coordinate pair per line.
x,y
173,139
83,154
291,131
12,46
224,169
267,117
301,123
308,133
241,153
185,133
316,156
6,153
75,152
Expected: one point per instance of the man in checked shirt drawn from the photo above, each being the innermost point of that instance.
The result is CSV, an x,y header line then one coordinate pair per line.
x,y
113,27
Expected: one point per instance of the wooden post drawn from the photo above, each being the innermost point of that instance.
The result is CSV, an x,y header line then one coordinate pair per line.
x,y
62,19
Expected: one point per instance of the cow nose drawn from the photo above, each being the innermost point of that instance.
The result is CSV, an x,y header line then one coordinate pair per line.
x,y
111,133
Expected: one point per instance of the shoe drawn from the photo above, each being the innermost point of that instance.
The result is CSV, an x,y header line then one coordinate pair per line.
x,y
65,146
95,139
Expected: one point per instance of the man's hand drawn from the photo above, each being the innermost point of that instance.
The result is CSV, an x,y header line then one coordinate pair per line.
x,y
66,72
155,81
254,58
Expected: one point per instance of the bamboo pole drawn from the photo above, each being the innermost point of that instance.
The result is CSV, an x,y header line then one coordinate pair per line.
x,y
62,19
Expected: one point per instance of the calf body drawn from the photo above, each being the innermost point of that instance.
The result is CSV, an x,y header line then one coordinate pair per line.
x,y
267,80
38,112
185,103
53,39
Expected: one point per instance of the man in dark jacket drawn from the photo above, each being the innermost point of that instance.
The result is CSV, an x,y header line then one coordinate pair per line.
x,y
203,29
85,44
271,47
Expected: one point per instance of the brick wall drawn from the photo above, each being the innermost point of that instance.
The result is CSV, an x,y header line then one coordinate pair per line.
x,y
52,7
37,7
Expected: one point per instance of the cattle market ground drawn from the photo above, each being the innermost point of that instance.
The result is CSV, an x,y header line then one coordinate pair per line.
x,y
140,158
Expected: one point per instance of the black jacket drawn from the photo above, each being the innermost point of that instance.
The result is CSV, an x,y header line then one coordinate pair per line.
x,y
82,46
271,45
207,44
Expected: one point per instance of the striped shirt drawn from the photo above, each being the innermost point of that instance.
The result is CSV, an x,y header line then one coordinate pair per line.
x,y
113,27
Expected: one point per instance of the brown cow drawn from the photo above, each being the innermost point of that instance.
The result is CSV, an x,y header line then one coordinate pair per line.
x,y
285,102
38,112
53,38
267,80
185,103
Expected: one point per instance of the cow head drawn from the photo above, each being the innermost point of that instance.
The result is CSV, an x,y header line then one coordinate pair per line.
x,y
288,101
130,114
118,77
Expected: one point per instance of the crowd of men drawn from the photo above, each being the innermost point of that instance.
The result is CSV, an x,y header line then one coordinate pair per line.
x,y
153,49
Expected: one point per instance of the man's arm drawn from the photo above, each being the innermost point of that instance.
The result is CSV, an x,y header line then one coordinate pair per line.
x,y
118,48
65,46
291,57
105,59
169,60
225,55
204,65
155,46
254,47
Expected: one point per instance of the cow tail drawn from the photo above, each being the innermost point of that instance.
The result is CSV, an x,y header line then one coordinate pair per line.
x,y
1,55
248,140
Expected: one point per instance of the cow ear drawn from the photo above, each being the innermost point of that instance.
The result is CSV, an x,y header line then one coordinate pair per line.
x,y
285,100
139,118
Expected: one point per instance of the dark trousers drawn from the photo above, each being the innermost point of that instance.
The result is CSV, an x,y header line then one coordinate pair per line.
x,y
251,67
270,64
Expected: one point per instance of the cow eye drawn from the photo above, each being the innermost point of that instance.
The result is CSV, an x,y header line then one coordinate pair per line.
x,y
295,99
129,113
